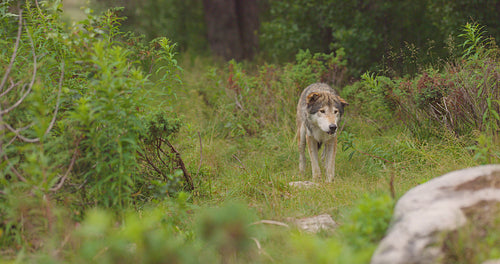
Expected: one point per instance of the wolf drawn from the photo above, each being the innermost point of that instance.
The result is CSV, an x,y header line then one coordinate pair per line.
x,y
319,112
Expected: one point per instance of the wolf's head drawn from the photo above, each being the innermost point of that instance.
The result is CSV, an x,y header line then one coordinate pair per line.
x,y
325,110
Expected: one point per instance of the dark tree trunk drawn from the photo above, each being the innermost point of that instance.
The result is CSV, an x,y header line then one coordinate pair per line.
x,y
248,20
232,27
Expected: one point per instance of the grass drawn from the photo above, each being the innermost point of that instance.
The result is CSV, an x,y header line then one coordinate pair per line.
x,y
255,170
238,141
378,158
461,246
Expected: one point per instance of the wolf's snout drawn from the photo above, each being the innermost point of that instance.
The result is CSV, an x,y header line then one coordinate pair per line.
x,y
333,128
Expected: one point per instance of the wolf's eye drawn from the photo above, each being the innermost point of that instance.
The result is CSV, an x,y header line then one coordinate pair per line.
x,y
336,111
322,111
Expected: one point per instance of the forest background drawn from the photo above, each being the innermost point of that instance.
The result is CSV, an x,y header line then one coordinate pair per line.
x,y
163,130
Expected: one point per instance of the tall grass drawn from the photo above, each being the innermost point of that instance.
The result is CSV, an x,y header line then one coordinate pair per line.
x,y
246,118
238,141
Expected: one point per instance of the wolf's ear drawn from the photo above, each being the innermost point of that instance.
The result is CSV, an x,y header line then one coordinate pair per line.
x,y
312,97
343,102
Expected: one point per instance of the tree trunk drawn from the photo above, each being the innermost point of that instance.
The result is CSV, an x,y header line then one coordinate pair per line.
x,y
232,27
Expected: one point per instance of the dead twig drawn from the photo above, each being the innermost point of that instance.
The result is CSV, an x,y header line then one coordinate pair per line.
x,y
391,186
6,76
18,134
201,155
242,165
12,86
260,249
146,158
270,222
32,82
13,169
187,177
70,167
14,54
53,121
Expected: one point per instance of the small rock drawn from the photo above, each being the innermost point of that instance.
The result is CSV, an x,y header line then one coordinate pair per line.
x,y
492,261
315,224
305,184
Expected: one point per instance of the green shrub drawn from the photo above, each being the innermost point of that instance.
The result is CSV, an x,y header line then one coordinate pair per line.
x,y
181,20
150,237
165,232
257,99
75,117
459,99
367,222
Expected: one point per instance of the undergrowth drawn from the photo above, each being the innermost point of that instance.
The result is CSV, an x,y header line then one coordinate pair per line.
x,y
131,195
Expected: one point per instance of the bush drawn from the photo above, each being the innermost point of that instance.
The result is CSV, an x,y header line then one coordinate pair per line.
x,y
258,99
367,222
461,98
181,20
74,117
163,233
375,35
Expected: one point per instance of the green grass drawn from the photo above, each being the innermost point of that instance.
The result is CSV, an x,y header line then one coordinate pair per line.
x,y
241,178
255,170
238,141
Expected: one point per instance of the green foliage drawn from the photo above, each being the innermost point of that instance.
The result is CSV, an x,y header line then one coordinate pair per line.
x,y
318,67
104,112
159,234
376,35
475,242
462,98
367,221
162,170
474,40
181,20
227,230
269,93
89,172
354,241
75,116
293,26
150,237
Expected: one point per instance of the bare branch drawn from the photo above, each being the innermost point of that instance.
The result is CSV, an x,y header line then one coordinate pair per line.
x,y
15,132
242,165
32,78
10,142
158,150
29,140
201,154
72,163
260,249
12,86
180,162
14,54
146,158
18,175
270,222
53,121
21,137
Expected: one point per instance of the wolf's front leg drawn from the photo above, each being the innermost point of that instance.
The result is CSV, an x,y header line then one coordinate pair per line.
x,y
330,153
312,145
302,150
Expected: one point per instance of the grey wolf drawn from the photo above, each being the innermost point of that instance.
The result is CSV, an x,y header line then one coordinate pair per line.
x,y
319,112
